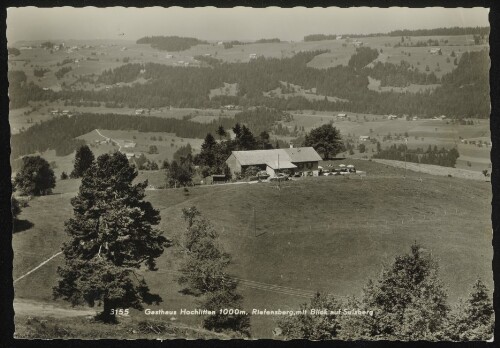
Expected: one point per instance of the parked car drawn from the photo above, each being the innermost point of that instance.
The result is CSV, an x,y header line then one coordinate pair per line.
x,y
280,177
263,175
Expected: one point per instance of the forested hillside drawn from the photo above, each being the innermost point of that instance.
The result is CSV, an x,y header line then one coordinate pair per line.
x,y
59,133
463,93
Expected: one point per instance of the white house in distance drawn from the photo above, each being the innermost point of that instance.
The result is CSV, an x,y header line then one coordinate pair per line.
x,y
273,161
364,137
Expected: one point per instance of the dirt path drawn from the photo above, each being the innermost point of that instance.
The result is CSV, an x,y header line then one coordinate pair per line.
x,y
37,267
24,307
110,139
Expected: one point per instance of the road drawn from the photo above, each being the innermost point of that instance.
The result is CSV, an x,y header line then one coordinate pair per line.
x,y
110,139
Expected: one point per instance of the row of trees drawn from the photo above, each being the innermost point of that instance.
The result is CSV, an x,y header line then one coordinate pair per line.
x,y
407,302
407,32
442,31
433,155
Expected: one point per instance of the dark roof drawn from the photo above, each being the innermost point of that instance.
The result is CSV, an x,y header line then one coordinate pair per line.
x,y
270,157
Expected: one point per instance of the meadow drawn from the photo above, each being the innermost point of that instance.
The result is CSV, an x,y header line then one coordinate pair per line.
x,y
166,143
421,133
326,234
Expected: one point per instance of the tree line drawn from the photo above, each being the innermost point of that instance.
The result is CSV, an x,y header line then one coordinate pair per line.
x,y
170,43
433,155
453,31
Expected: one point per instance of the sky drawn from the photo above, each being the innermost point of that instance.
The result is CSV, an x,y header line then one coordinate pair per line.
x,y
239,23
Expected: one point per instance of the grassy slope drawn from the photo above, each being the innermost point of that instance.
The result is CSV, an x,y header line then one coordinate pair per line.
x,y
326,233
87,329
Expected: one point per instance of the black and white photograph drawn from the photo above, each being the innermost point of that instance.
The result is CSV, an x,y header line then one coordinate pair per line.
x,y
251,173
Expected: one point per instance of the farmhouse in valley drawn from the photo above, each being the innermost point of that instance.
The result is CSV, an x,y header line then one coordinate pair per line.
x,y
273,161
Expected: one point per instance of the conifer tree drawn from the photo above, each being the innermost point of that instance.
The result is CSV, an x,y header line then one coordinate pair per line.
x,y
221,132
312,326
83,160
409,301
204,274
473,319
111,238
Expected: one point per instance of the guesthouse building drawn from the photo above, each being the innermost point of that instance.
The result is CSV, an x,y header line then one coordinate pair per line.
x,y
274,161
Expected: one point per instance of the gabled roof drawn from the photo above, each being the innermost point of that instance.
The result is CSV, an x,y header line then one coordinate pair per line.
x,y
303,154
255,157
281,164
286,157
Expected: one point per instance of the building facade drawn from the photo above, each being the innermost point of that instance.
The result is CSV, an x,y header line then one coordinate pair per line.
x,y
274,161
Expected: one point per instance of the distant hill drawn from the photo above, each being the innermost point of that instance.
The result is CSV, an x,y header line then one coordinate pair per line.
x,y
406,32
442,31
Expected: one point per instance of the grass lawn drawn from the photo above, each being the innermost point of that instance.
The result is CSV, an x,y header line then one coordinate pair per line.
x,y
326,233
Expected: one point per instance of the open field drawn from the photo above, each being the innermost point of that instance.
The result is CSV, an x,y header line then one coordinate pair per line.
x,y
139,142
229,89
324,233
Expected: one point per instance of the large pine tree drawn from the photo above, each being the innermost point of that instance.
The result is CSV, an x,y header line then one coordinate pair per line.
x,y
111,237
473,319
